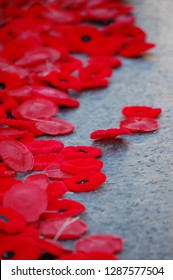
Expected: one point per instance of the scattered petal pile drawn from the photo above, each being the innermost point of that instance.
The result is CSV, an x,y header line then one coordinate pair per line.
x,y
138,119
39,74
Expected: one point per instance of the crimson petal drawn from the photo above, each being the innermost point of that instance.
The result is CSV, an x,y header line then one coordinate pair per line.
x,y
37,107
63,208
45,146
63,228
39,179
109,133
139,124
74,152
81,165
54,126
11,221
141,111
20,249
16,155
85,182
27,199
100,243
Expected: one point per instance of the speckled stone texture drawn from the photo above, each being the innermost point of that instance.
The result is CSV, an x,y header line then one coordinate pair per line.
x,y
137,200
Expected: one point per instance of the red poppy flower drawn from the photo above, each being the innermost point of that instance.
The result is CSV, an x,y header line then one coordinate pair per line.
x,y
8,103
139,124
141,111
11,221
54,126
111,61
52,247
87,84
16,155
63,208
74,152
136,49
60,80
42,161
9,81
27,199
45,146
37,107
109,133
104,45
22,248
89,256
94,71
81,165
100,243
39,179
80,36
55,190
53,172
85,182
63,228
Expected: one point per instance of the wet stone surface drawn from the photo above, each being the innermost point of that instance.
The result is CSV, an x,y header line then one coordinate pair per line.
x,y
137,200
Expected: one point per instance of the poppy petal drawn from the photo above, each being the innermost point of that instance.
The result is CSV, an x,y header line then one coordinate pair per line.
x,y
63,228
141,111
63,208
109,133
11,221
85,182
27,199
16,155
99,243
81,165
139,124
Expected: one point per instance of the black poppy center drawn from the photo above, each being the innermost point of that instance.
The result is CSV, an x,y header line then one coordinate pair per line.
x,y
48,256
82,182
82,151
86,38
8,255
109,21
3,218
62,210
2,86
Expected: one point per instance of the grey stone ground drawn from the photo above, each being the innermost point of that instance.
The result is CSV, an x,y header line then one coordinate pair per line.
x,y
137,201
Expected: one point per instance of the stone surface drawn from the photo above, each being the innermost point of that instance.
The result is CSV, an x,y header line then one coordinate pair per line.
x,y
137,200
